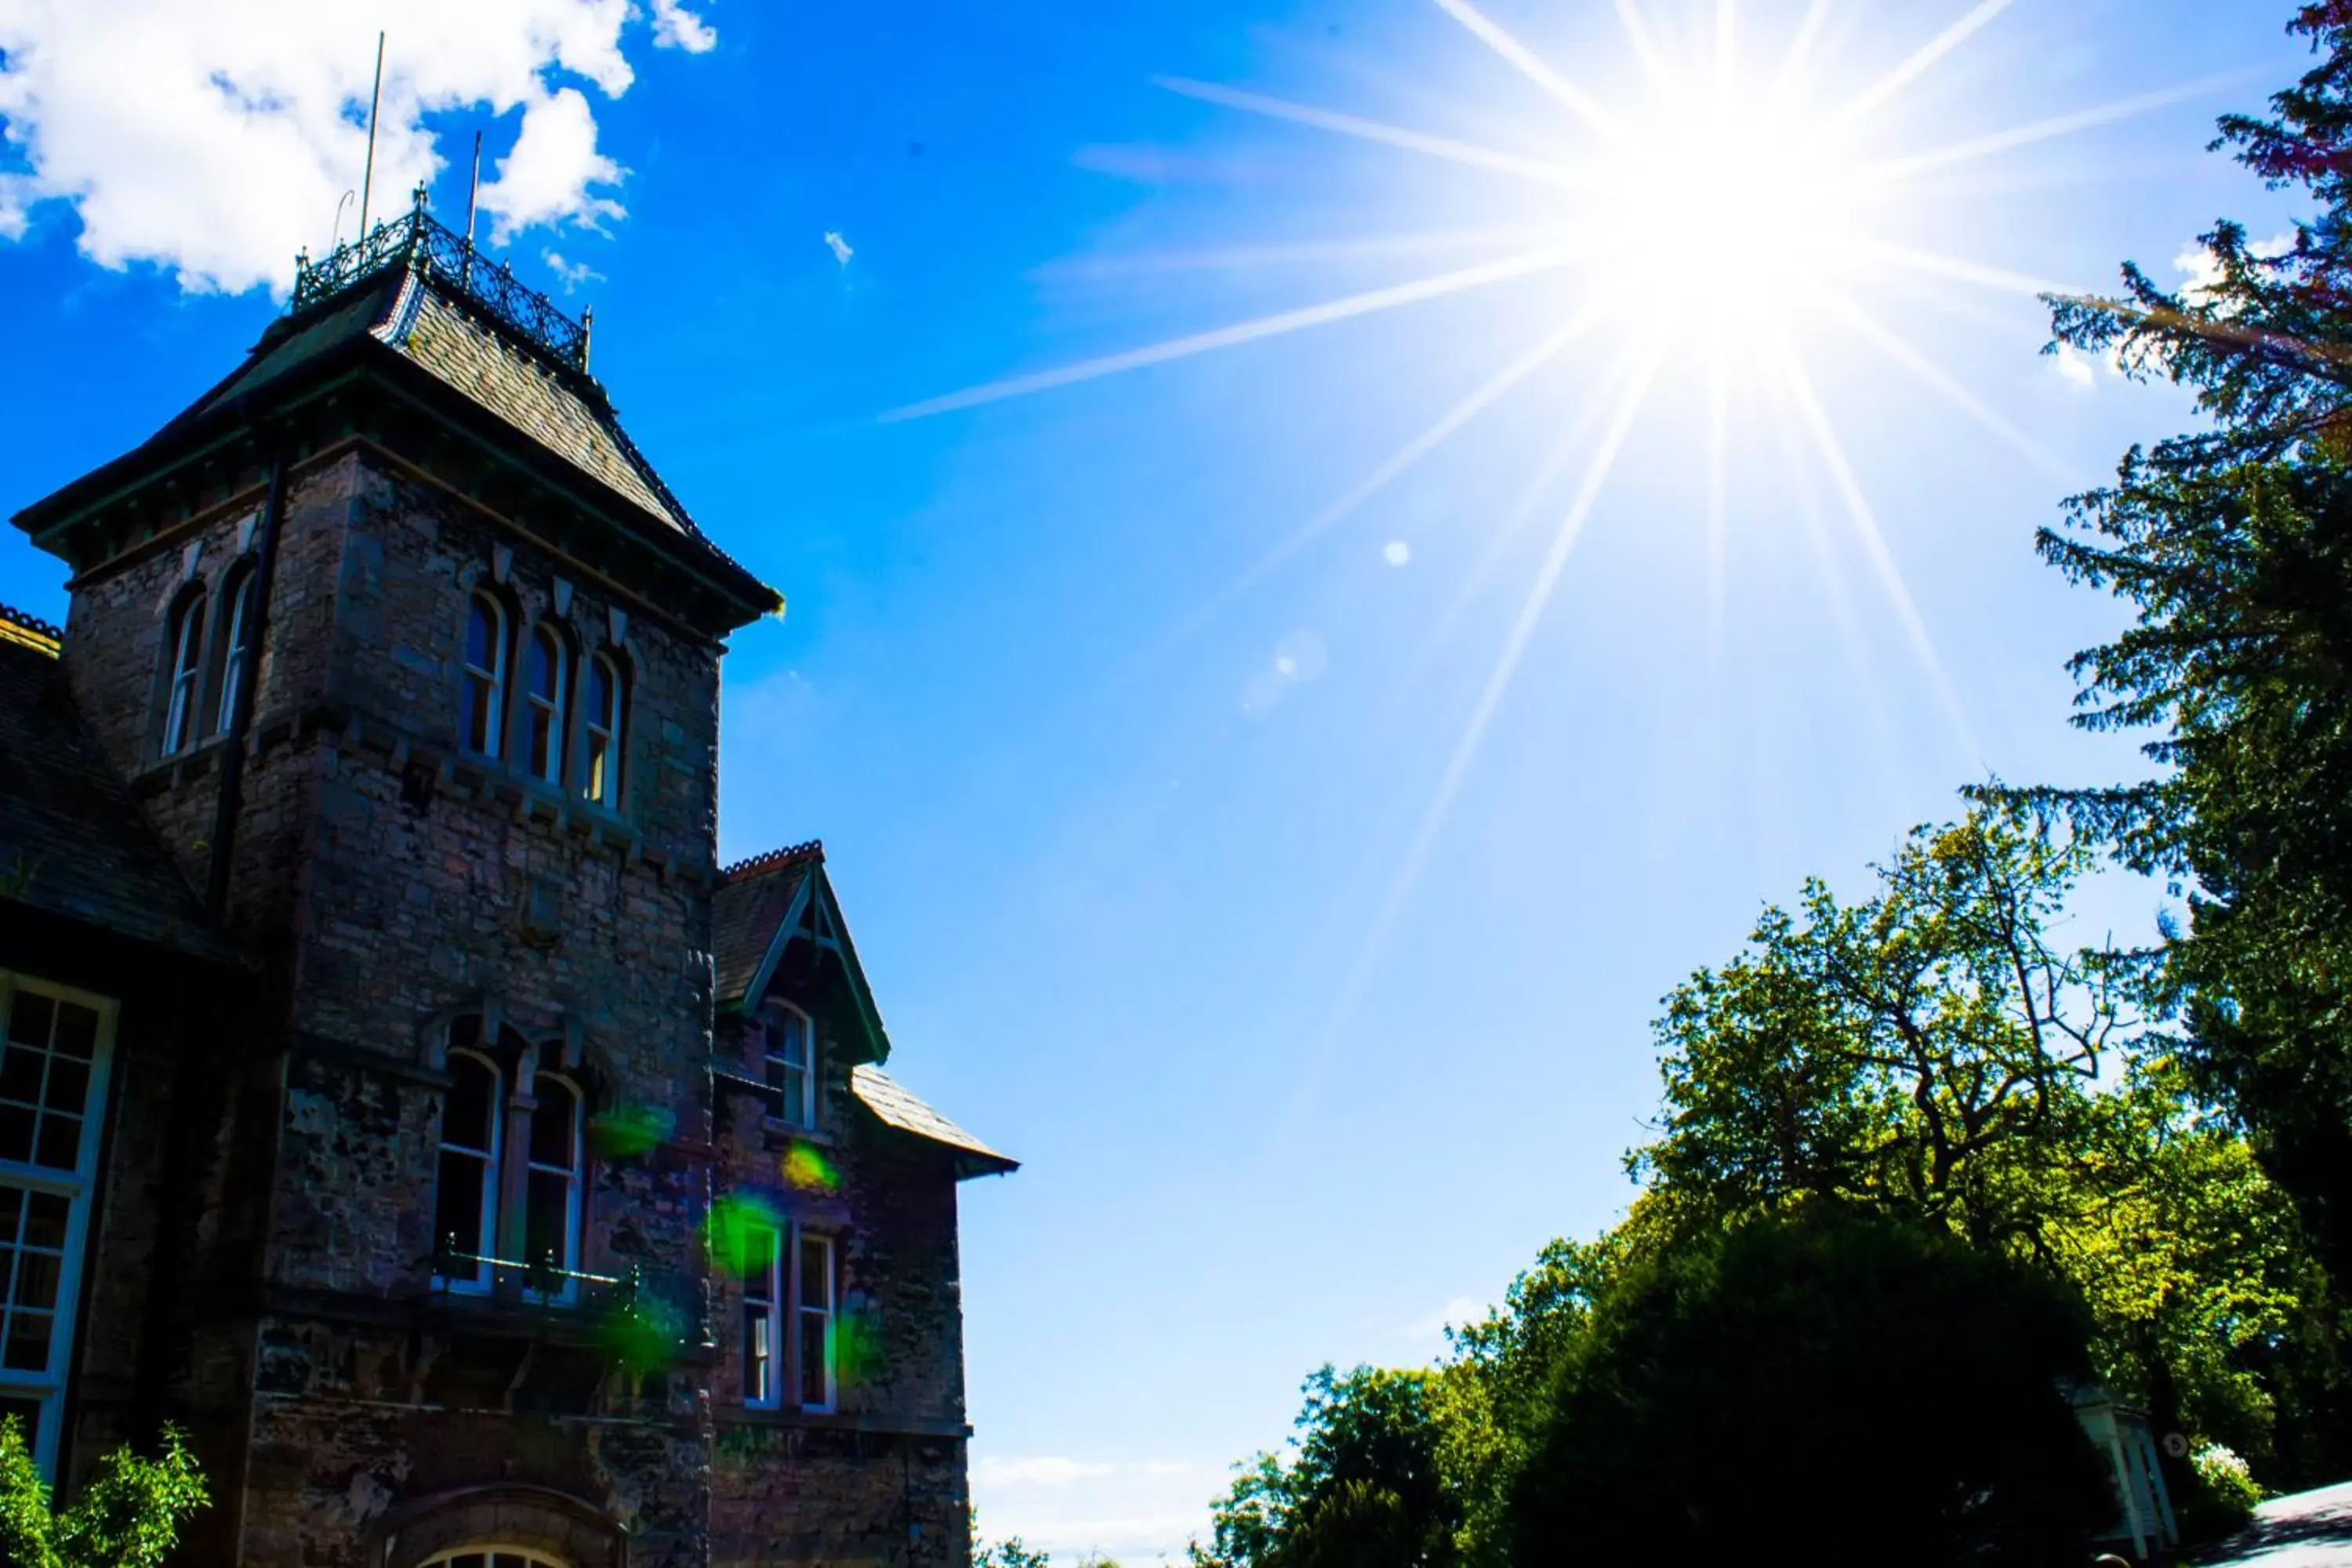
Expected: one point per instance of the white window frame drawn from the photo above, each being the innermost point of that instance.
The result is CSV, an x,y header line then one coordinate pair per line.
x,y
493,1161
184,678
765,1315
804,1238
492,677
233,636
491,1552
601,766
548,709
777,1068
47,1387
786,1308
575,1183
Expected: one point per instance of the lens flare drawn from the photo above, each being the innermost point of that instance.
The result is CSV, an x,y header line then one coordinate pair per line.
x,y
806,1170
627,1131
740,1232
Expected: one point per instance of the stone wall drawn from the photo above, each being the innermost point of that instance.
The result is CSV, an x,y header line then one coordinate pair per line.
x,y
264,1241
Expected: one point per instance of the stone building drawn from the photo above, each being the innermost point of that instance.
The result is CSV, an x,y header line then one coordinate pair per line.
x,y
398,1094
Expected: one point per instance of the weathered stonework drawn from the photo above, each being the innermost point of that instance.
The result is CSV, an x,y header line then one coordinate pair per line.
x,y
265,1263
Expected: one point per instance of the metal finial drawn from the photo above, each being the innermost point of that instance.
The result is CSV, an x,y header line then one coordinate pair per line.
x,y
587,326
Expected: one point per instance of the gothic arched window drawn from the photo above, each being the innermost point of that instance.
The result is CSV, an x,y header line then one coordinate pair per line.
x,y
185,650
606,695
491,1557
551,1227
542,691
513,1170
484,697
466,1205
236,636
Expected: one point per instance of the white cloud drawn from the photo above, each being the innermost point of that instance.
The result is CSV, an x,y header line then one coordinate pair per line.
x,y
838,245
1396,553
2075,367
1040,1472
547,177
676,27
215,138
2200,269
574,273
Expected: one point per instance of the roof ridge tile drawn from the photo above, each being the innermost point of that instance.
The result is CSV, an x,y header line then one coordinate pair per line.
x,y
773,860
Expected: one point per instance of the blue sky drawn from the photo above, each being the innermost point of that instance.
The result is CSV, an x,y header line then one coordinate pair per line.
x,y
1162,880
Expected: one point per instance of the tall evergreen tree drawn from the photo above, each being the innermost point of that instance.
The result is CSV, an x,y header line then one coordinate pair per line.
x,y
2234,546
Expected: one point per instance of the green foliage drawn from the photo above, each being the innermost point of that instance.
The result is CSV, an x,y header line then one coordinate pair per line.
x,y
1010,1553
128,1517
1928,1049
1363,1487
2233,546
1854,1382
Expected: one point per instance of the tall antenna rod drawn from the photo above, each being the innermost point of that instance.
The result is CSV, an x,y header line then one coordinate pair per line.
x,y
474,191
375,100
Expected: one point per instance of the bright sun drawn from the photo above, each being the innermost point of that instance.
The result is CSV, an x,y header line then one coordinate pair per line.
x,y
1722,209
1717,200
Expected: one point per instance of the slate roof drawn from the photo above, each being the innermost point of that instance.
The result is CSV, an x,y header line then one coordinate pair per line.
x,y
890,1099
72,841
422,322
454,322
753,898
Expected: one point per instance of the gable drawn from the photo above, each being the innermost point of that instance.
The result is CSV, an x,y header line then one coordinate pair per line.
x,y
776,912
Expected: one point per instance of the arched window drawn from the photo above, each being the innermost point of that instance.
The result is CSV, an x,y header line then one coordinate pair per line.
x,y
603,720
513,1172
490,1557
486,675
465,1213
552,1183
791,1064
185,650
235,642
542,691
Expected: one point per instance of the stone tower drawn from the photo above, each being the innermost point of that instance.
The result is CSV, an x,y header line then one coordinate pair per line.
x,y
411,661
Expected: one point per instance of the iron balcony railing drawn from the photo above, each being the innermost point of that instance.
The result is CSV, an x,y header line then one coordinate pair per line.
x,y
544,1278
419,242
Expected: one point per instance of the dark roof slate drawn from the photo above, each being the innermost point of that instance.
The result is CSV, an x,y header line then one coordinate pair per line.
x,y
890,1101
72,841
753,898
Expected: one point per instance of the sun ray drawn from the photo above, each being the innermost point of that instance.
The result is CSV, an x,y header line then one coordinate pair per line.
x,y
1874,543
1981,147
1531,66
1889,342
1474,734
1446,147
1563,451
1952,266
1842,611
1149,263
1719,504
1644,47
1434,435
1801,49
1919,64
1330,311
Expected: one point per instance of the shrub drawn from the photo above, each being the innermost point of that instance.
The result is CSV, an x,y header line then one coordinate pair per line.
x,y
128,1517
1820,1378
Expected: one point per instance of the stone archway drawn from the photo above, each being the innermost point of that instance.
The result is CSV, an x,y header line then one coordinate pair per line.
x,y
534,1521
